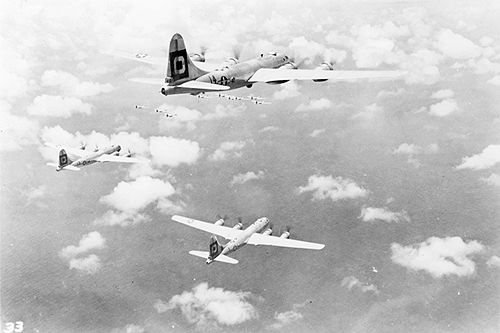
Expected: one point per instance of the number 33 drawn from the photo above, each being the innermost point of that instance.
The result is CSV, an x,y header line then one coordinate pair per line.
x,y
14,327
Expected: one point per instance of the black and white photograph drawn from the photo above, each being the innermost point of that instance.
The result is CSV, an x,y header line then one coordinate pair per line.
x,y
250,166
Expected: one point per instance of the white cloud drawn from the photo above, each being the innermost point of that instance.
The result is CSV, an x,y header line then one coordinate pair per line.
x,y
493,179
208,307
484,160
495,80
227,149
315,104
370,214
89,265
71,86
438,256
389,93
57,106
369,113
317,132
270,129
333,188
443,93
92,240
137,194
15,131
422,66
411,150
443,108
456,46
288,317
494,261
352,282
244,177
172,151
122,219
288,90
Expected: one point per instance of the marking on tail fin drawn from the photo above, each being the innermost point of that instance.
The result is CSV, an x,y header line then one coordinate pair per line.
x,y
179,65
63,158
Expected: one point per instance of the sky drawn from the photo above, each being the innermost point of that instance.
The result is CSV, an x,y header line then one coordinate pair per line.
x,y
400,179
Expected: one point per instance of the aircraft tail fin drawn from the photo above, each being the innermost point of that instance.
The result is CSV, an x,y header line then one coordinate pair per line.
x,y
179,66
215,247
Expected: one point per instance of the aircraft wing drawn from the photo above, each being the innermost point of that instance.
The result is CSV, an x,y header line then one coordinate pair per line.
x,y
261,239
202,85
73,151
279,74
226,232
119,159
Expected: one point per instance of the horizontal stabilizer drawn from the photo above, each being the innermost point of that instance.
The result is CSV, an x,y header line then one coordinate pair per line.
x,y
203,86
221,257
67,167
148,80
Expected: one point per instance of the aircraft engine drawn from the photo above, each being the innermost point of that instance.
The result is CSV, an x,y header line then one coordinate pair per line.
x,y
268,231
197,57
219,222
323,67
238,226
286,234
288,65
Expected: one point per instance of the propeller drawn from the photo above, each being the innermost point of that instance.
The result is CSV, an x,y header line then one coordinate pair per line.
x,y
128,154
83,145
219,217
96,148
285,231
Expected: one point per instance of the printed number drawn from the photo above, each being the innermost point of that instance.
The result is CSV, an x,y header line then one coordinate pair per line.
x,y
10,327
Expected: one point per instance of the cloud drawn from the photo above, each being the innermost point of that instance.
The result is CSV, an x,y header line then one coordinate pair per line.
x,y
333,188
352,282
270,129
390,93
92,240
15,131
89,265
226,150
208,307
493,179
57,106
288,90
173,152
244,177
412,150
443,93
438,256
317,132
370,214
137,194
288,317
495,80
71,86
369,113
494,261
484,160
315,104
122,219
443,108
456,46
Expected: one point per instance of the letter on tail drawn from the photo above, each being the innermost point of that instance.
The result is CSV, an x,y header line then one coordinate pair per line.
x,y
215,247
63,158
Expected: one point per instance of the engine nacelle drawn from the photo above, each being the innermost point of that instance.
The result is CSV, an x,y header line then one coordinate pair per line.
x,y
197,57
238,226
289,65
323,67
219,222
268,232
286,234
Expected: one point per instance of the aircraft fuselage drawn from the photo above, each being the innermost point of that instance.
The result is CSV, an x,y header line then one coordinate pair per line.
x,y
234,76
92,158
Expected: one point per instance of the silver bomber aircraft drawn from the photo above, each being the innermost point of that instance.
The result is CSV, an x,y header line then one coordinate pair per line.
x,y
73,158
184,77
238,238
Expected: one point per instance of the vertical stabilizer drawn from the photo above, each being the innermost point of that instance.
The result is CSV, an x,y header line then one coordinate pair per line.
x,y
180,68
215,247
63,158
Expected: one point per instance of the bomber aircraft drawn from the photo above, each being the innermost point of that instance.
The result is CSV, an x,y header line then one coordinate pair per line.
x,y
239,238
184,77
73,158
